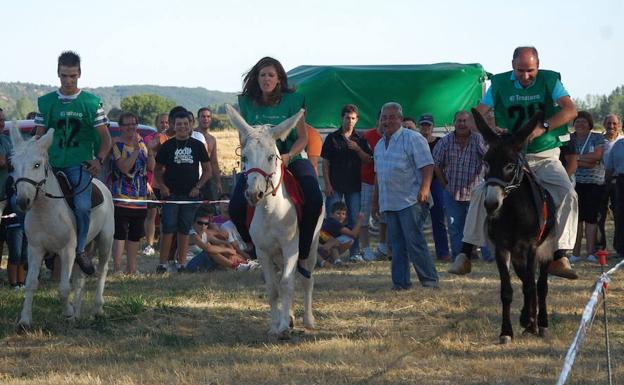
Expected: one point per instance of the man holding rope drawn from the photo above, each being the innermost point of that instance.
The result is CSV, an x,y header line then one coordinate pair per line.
x,y
77,118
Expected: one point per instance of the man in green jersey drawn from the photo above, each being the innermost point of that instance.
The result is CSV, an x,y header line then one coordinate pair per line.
x,y
80,125
515,96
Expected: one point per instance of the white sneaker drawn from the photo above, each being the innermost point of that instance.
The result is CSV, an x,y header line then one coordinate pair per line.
x,y
369,256
356,258
243,267
149,251
575,259
592,258
253,265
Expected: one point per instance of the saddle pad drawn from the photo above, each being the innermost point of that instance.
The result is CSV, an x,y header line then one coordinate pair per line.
x,y
545,207
66,187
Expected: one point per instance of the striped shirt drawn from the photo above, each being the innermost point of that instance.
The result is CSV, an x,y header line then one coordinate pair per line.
x,y
462,168
133,184
398,168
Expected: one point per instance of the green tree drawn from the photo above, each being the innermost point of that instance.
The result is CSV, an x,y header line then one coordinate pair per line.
x,y
147,106
22,107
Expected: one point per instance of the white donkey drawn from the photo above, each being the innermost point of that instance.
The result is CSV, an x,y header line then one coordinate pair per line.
x,y
50,225
274,229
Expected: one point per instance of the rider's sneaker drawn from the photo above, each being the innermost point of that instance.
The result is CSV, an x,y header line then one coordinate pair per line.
x,y
149,251
85,264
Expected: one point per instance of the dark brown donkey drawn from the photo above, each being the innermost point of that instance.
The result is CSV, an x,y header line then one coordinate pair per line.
x,y
519,224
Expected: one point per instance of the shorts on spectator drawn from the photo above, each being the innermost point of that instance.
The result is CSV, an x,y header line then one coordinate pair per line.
x,y
177,217
590,196
129,223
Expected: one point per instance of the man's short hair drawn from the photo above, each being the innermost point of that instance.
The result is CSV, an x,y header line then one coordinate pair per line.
x,y
69,59
181,115
604,121
519,50
202,110
393,105
158,118
174,111
349,108
338,206
460,112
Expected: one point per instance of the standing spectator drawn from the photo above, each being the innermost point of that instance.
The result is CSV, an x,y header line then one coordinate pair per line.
x,y
162,127
590,187
614,167
213,188
177,175
79,122
438,221
344,151
404,169
514,97
458,161
367,174
267,99
130,163
5,151
613,125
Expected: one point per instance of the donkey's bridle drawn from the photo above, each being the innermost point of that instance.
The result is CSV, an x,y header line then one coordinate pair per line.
x,y
268,177
515,182
39,185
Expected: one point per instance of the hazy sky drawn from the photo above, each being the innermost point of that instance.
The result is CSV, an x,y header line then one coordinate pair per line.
x,y
212,43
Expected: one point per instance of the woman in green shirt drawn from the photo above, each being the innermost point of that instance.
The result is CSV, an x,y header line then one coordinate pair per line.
x,y
267,99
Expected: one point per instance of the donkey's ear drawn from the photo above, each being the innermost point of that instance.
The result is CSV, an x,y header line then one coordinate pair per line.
x,y
237,121
46,140
520,136
16,135
484,128
282,130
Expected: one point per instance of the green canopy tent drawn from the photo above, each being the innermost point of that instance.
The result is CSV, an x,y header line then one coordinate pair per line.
x,y
440,89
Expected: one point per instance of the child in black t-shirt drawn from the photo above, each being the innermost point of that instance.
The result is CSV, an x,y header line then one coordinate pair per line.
x,y
335,237
177,175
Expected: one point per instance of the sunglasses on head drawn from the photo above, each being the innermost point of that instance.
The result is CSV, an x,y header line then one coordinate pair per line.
x,y
203,223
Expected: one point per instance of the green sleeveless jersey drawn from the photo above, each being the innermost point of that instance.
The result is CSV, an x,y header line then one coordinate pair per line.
x,y
515,106
73,121
255,114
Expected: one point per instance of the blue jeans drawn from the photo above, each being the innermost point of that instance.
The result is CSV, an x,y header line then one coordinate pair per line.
x,y
80,179
456,212
201,262
438,220
16,237
353,202
405,232
178,217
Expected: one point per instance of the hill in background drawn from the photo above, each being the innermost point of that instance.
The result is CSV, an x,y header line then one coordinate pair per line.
x,y
17,99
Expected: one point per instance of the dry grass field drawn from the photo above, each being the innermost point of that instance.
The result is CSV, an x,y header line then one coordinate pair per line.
x,y
211,329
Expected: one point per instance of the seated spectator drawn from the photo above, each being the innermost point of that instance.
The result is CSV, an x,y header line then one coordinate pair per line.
x,y
228,227
337,238
207,252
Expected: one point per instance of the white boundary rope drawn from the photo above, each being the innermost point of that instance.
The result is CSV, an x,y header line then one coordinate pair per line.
x,y
166,201
585,321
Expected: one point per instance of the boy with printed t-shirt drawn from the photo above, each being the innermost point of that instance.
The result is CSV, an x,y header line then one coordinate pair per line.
x,y
177,174
79,123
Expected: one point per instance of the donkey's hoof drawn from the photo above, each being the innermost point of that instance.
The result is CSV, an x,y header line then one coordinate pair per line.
x,y
543,332
291,322
285,335
504,340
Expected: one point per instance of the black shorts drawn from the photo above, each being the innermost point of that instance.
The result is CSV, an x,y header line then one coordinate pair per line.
x,y
129,223
590,198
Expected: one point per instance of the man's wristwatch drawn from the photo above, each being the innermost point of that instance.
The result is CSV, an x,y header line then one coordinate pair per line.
x,y
546,125
100,160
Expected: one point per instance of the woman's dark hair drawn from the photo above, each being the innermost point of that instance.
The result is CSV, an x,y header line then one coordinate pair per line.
x,y
251,87
587,116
